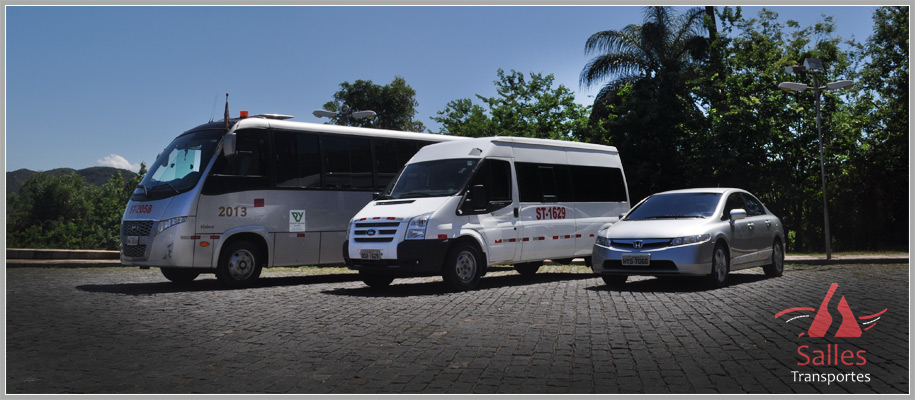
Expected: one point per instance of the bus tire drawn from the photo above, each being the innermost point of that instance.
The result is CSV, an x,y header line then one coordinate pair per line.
x,y
463,266
528,268
240,263
179,275
376,281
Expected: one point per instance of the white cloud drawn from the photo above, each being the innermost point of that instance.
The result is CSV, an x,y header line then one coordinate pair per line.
x,y
117,161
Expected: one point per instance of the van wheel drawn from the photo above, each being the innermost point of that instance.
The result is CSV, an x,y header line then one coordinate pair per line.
x,y
528,268
240,264
778,261
463,267
376,281
721,263
179,275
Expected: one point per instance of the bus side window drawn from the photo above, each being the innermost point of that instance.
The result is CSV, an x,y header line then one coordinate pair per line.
x,y
245,170
298,162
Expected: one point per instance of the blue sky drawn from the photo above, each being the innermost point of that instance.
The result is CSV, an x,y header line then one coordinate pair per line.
x,y
90,86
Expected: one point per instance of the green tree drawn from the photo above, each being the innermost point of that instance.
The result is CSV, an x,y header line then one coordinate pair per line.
x,y
645,102
48,212
394,103
526,106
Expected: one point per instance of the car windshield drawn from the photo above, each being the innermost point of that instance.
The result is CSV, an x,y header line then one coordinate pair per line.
x,y
676,206
431,179
179,166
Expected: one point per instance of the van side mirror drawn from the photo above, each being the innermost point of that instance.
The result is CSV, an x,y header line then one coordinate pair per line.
x,y
478,197
376,195
228,145
738,214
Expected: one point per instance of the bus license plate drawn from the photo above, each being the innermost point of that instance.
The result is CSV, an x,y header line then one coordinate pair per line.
x,y
370,254
638,260
133,240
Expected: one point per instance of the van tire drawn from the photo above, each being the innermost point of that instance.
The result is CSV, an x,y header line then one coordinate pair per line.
x,y
463,267
376,281
179,275
240,264
528,268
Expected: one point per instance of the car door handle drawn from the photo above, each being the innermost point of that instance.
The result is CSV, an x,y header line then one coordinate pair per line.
x,y
750,225
768,223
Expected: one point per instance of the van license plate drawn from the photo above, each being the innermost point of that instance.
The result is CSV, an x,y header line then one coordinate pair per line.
x,y
133,240
639,260
370,254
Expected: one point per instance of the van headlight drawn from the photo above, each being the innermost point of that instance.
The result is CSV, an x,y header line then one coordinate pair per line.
x,y
416,229
168,223
690,239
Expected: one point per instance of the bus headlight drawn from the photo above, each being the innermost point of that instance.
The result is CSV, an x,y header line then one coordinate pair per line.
x,y
416,229
168,223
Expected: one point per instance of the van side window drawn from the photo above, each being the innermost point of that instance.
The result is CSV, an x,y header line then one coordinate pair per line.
x,y
597,184
496,177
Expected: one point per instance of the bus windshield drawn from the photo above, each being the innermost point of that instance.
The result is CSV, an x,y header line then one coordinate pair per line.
x,y
432,179
180,165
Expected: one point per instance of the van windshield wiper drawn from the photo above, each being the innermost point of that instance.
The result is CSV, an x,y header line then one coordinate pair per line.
x,y
412,195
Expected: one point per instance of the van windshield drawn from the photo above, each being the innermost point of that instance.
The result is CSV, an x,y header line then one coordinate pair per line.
x,y
437,178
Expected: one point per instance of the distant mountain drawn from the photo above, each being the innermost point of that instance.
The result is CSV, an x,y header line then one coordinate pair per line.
x,y
94,175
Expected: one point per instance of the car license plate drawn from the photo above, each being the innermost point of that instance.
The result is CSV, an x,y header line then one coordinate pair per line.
x,y
638,260
370,254
133,240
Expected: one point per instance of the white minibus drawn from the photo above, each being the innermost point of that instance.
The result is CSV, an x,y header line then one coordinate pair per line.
x,y
261,191
461,206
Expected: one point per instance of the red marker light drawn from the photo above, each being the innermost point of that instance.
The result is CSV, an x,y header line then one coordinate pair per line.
x,y
242,114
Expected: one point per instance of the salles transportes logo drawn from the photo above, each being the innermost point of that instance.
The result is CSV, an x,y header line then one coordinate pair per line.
x,y
849,326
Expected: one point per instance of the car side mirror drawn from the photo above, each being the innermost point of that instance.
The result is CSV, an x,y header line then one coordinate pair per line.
x,y
738,214
478,197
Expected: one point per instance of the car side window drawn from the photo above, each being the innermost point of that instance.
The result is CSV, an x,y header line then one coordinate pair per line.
x,y
735,201
754,207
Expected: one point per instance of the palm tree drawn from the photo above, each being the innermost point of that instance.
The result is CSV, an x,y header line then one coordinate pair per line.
x,y
662,51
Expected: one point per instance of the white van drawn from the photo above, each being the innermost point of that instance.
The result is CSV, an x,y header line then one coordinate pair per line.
x,y
460,206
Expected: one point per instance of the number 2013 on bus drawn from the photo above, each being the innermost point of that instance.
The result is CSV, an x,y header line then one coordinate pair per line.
x,y
551,213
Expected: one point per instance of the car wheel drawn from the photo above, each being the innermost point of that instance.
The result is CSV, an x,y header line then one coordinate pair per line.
x,y
240,264
376,280
614,280
528,268
721,263
778,261
463,267
179,275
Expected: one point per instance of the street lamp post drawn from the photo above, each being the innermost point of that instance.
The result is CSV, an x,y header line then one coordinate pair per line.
x,y
814,65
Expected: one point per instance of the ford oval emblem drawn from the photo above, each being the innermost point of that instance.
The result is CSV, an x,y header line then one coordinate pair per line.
x,y
370,232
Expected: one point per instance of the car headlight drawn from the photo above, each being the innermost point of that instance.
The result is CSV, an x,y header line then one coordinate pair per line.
x,y
603,241
690,239
168,223
416,229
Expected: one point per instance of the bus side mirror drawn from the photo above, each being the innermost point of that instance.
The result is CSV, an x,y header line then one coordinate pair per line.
x,y
478,197
228,145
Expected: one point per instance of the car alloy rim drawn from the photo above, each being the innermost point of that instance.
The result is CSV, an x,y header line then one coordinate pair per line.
x,y
779,258
465,267
241,264
720,268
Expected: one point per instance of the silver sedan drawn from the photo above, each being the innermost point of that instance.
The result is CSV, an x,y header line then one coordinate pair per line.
x,y
692,232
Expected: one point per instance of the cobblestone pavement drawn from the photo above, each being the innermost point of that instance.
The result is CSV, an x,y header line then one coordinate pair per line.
x,y
125,330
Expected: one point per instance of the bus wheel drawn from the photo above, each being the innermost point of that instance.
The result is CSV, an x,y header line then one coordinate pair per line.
x,y
376,280
239,264
178,275
463,267
528,268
